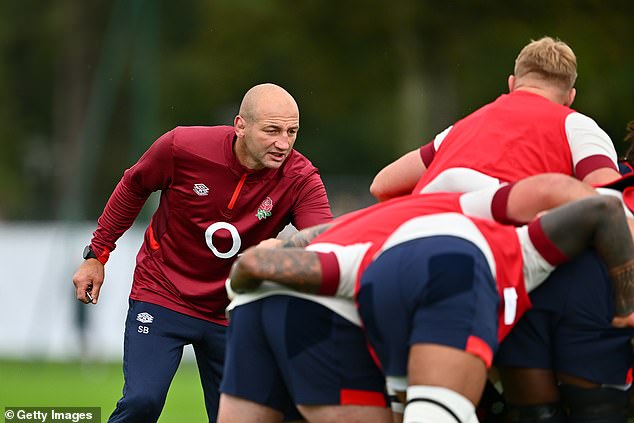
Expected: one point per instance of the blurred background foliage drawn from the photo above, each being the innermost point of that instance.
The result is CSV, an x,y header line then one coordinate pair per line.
x,y
87,86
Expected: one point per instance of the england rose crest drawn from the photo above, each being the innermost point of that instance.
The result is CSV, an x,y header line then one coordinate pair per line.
x,y
265,208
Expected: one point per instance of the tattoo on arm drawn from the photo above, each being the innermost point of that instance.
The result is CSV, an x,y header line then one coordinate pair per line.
x,y
305,236
294,268
623,280
289,265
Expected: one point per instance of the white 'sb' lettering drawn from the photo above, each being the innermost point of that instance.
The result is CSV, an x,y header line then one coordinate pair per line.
x,y
235,236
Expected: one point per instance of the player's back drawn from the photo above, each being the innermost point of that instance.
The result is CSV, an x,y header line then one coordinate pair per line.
x,y
368,232
518,135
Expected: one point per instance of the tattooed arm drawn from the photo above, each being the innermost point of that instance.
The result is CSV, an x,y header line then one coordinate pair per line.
x,y
622,277
293,267
597,222
286,263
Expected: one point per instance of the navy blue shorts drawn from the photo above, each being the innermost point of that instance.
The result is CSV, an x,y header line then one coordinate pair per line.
x,y
436,290
284,350
568,329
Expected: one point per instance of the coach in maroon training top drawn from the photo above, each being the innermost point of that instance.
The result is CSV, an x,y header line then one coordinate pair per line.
x,y
223,189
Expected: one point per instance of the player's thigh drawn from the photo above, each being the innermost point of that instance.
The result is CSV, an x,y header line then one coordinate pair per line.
x,y
323,357
251,370
437,290
447,367
233,409
346,413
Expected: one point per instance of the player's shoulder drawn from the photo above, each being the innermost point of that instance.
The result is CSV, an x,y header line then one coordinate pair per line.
x,y
579,120
580,126
204,141
185,134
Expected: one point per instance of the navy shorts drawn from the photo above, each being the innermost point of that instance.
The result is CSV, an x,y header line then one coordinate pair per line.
x,y
284,350
568,329
435,290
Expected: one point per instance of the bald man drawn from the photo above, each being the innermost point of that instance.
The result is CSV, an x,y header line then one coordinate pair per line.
x,y
223,189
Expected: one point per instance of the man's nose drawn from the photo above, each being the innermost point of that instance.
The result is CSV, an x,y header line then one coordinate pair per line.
x,y
283,142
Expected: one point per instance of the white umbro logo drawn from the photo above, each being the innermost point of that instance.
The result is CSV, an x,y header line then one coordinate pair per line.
x,y
201,189
145,317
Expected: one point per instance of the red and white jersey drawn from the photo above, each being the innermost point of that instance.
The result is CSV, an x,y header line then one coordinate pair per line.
x,y
358,238
518,135
211,209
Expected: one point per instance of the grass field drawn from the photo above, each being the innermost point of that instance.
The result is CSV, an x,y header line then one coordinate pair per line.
x,y
52,384
47,384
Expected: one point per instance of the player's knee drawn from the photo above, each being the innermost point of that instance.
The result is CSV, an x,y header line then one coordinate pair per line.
x,y
441,405
540,413
604,405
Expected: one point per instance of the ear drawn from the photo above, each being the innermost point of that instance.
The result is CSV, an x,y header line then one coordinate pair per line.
x,y
511,82
239,125
571,96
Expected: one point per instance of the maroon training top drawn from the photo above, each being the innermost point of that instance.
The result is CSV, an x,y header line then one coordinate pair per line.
x,y
211,209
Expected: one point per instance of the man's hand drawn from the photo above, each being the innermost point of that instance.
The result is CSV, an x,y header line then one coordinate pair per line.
x,y
88,280
623,321
270,243
241,286
240,281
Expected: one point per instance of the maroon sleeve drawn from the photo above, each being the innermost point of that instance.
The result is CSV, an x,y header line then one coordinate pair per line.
x,y
311,204
499,204
427,153
329,274
544,246
592,163
152,172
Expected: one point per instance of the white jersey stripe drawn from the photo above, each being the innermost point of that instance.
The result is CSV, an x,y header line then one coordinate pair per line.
x,y
460,179
587,139
452,224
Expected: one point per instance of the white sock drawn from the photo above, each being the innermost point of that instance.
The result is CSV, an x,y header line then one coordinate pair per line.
x,y
433,404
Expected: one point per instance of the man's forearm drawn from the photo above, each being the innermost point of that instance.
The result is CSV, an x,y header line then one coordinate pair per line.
x,y
119,214
295,268
623,282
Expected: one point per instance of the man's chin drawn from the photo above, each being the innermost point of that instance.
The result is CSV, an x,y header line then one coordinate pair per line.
x,y
273,164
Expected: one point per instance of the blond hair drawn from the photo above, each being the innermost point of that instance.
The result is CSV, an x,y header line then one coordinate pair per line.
x,y
548,59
